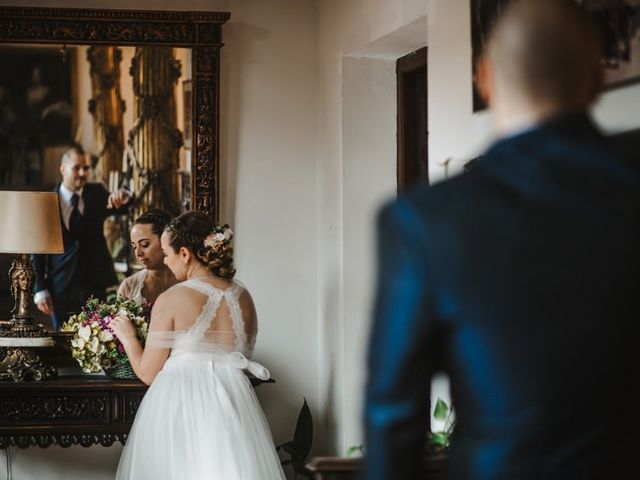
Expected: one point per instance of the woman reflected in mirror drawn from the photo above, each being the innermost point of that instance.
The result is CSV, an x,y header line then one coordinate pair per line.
x,y
145,285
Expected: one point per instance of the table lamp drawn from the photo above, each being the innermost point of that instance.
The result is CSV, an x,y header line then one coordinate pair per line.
x,y
31,224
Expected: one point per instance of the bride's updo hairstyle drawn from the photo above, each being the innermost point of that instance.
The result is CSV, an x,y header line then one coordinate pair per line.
x,y
158,219
210,243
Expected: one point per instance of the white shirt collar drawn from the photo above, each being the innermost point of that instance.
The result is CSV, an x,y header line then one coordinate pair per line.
x,y
66,194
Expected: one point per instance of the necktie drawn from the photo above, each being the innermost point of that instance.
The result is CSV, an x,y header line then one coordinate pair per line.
x,y
75,219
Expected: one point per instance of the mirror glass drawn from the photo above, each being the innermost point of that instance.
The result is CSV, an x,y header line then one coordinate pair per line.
x,y
128,107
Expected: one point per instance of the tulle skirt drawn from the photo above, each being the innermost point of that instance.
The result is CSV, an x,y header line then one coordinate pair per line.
x,y
200,419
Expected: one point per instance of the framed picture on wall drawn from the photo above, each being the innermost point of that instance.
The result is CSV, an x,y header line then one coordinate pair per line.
x,y
187,106
619,21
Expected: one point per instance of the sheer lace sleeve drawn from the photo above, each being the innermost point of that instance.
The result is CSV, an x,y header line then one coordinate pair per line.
x,y
131,287
126,287
208,333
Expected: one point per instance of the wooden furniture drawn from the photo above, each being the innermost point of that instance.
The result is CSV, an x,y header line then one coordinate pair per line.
x,y
74,410
71,410
342,468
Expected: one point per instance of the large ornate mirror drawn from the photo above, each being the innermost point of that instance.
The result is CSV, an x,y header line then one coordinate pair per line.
x,y
139,91
200,32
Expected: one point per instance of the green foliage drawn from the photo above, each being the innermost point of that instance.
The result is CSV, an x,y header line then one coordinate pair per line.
x,y
440,441
441,411
352,450
299,448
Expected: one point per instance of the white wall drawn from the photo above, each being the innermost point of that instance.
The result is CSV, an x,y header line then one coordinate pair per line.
x,y
268,176
356,169
369,175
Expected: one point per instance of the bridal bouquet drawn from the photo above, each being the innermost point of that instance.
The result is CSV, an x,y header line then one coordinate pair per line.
x,y
94,345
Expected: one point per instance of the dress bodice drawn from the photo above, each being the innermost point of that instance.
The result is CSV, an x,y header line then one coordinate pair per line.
x,y
201,337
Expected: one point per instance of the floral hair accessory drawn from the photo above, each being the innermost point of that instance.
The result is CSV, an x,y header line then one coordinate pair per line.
x,y
218,235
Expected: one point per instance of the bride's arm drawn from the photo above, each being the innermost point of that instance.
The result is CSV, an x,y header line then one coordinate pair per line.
x,y
146,363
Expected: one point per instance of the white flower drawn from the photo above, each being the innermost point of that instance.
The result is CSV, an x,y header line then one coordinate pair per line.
x,y
78,343
105,336
214,238
210,240
85,333
93,345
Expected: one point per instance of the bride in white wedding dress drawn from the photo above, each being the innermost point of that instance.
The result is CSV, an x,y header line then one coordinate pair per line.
x,y
200,418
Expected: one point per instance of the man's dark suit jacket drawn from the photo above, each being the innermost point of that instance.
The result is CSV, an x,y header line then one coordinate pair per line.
x,y
86,253
628,145
521,280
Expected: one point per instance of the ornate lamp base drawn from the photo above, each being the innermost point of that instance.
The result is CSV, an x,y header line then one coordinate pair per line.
x,y
19,360
19,337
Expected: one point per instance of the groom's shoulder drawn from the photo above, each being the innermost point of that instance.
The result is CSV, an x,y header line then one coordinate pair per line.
x,y
443,199
95,188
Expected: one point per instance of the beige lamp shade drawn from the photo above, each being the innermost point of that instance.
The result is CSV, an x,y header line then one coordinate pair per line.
x,y
30,222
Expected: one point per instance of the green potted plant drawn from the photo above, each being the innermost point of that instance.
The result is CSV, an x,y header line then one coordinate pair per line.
x,y
299,448
439,442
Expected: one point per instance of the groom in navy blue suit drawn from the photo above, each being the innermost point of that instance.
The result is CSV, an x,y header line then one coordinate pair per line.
x,y
64,282
520,279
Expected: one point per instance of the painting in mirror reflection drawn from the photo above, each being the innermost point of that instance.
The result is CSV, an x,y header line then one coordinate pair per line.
x,y
35,111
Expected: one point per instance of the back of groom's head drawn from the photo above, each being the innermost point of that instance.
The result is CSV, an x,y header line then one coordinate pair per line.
x,y
545,54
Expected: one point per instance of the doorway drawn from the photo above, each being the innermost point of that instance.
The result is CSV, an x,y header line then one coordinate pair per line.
x,y
413,151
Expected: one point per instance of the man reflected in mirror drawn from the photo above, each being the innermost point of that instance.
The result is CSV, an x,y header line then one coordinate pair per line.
x,y
65,281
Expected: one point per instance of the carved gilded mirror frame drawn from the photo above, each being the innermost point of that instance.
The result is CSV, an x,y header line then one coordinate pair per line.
x,y
199,31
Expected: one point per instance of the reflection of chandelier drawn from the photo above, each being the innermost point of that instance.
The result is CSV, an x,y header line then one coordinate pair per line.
x,y
107,108
150,181
154,140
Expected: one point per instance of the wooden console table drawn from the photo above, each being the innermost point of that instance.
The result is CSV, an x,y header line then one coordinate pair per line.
x,y
73,410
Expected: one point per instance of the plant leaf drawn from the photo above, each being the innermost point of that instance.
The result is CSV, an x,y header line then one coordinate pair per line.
x,y
354,449
282,446
441,410
439,438
303,434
